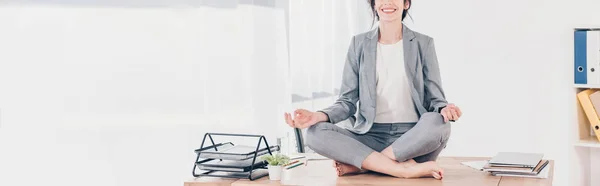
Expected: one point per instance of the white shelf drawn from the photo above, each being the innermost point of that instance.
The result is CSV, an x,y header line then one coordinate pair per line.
x,y
591,141
586,86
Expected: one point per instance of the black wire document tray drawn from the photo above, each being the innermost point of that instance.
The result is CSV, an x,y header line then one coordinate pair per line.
x,y
256,174
232,161
231,165
228,151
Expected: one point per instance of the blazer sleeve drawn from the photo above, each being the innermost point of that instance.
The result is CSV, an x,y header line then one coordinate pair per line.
x,y
345,105
434,94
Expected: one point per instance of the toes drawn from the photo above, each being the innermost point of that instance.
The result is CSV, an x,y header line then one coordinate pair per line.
x,y
436,175
340,172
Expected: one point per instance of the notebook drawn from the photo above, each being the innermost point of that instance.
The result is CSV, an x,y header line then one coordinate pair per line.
x,y
516,159
543,173
517,170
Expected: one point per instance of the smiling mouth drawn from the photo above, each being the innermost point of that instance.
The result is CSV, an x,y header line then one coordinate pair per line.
x,y
388,10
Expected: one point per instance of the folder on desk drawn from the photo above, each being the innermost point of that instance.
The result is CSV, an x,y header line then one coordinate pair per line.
x,y
517,170
585,99
541,171
517,164
516,159
587,56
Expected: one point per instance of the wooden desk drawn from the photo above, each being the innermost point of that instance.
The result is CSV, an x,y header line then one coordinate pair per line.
x,y
321,172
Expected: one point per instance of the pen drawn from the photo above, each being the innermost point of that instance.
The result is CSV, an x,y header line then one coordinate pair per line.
x,y
291,163
294,166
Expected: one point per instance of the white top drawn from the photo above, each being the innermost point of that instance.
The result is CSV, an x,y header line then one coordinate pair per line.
x,y
394,103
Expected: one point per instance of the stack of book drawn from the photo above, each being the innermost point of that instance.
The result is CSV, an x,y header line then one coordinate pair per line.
x,y
517,164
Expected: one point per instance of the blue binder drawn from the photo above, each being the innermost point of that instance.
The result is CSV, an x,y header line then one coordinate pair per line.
x,y
587,56
580,57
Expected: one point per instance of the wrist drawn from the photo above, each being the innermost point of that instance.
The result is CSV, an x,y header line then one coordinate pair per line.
x,y
441,108
322,117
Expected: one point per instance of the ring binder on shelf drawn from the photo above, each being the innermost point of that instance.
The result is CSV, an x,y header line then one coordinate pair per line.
x,y
230,161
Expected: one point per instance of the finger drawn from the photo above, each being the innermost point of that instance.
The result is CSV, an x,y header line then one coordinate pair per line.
x,y
444,114
448,115
436,175
288,119
294,122
459,112
300,112
454,114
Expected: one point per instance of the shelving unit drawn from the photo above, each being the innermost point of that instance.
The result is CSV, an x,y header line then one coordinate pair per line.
x,y
585,153
588,142
585,86
586,146
585,137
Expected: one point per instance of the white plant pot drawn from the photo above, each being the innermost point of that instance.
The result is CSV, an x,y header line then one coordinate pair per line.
x,y
275,172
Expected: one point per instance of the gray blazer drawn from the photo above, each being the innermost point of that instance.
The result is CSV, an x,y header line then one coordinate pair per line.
x,y
358,83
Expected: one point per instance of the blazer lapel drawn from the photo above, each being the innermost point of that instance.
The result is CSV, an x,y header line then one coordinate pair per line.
x,y
370,62
410,53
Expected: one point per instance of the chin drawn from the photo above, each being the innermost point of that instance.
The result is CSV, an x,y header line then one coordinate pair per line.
x,y
381,19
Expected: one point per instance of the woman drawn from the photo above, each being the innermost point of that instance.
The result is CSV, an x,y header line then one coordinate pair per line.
x,y
402,122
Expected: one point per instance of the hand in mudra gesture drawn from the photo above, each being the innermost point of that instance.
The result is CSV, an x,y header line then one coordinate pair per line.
x,y
451,112
303,118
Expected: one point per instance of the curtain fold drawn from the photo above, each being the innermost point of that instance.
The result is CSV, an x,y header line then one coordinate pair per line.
x,y
319,36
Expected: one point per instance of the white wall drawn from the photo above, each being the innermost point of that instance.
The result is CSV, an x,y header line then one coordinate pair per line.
x,y
508,65
83,96
110,95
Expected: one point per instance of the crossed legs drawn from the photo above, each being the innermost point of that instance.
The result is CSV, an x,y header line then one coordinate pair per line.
x,y
411,155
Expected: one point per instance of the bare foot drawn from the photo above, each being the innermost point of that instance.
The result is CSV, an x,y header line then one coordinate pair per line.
x,y
409,163
345,169
426,169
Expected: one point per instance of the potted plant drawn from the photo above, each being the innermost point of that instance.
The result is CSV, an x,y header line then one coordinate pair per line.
x,y
275,163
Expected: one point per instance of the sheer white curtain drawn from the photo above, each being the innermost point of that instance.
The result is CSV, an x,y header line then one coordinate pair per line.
x,y
104,87
246,60
319,36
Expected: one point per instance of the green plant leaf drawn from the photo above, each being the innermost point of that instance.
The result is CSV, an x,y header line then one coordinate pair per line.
x,y
276,160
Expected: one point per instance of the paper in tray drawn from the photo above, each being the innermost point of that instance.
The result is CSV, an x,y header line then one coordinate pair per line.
x,y
232,165
229,151
257,173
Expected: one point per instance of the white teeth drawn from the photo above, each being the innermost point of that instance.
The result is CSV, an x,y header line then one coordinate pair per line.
x,y
388,10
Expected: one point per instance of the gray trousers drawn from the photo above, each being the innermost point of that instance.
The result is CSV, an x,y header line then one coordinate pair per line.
x,y
422,141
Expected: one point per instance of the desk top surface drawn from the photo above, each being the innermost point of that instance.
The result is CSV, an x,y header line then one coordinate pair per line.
x,y
321,172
